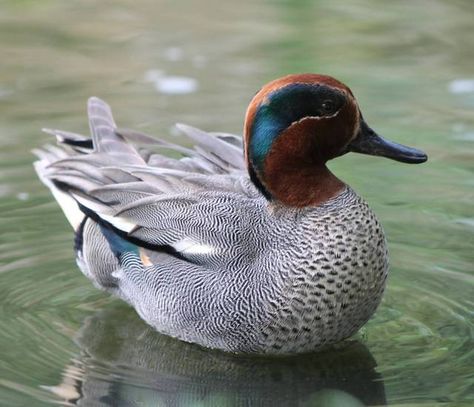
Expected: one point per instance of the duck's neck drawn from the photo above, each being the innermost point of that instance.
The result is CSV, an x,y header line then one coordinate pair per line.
x,y
294,171
300,186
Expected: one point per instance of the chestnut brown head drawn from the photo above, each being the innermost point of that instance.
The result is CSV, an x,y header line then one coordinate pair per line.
x,y
295,124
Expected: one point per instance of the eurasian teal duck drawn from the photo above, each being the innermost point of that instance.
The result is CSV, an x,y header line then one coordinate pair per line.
x,y
246,248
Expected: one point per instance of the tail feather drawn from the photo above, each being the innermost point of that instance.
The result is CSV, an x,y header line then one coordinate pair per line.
x,y
57,167
104,135
68,204
77,142
102,125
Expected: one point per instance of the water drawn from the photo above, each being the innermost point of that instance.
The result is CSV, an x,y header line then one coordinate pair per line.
x,y
410,65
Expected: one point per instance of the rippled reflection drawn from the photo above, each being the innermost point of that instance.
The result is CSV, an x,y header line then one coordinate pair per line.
x,y
122,362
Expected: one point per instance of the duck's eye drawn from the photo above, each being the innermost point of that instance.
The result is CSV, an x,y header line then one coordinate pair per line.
x,y
328,106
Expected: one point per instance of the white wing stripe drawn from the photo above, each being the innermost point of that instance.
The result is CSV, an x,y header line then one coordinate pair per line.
x,y
188,246
120,223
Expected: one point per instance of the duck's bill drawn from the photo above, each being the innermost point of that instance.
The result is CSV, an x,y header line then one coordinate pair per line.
x,y
369,142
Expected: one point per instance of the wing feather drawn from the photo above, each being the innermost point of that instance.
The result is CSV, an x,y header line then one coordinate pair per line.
x,y
196,203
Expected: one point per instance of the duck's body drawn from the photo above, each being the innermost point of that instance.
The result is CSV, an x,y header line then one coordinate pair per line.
x,y
211,254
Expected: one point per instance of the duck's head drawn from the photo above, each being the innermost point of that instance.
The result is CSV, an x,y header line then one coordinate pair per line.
x,y
295,124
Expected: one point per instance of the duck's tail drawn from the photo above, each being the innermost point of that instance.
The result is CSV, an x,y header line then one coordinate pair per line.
x,y
105,138
104,141
47,156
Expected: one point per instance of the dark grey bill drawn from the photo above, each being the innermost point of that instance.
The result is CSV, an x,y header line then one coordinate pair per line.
x,y
369,142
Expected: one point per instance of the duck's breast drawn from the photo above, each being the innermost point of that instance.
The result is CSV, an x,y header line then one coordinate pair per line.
x,y
333,278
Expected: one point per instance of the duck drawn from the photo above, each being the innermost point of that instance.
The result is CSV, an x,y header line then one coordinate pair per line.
x,y
243,244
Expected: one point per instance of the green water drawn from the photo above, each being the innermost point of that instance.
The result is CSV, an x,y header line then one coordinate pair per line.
x,y
63,342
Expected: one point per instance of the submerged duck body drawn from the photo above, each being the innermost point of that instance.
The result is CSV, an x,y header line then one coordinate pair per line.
x,y
253,247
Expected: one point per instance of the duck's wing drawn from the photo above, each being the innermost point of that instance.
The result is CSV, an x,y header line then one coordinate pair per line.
x,y
214,161
212,153
196,206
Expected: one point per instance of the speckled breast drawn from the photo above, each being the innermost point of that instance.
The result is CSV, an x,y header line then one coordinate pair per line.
x,y
334,278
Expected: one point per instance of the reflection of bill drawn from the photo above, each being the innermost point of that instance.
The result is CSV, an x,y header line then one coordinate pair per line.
x,y
123,362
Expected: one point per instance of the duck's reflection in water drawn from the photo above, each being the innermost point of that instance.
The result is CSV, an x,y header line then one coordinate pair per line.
x,y
123,362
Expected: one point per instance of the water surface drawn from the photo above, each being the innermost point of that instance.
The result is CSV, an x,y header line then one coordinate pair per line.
x,y
410,65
